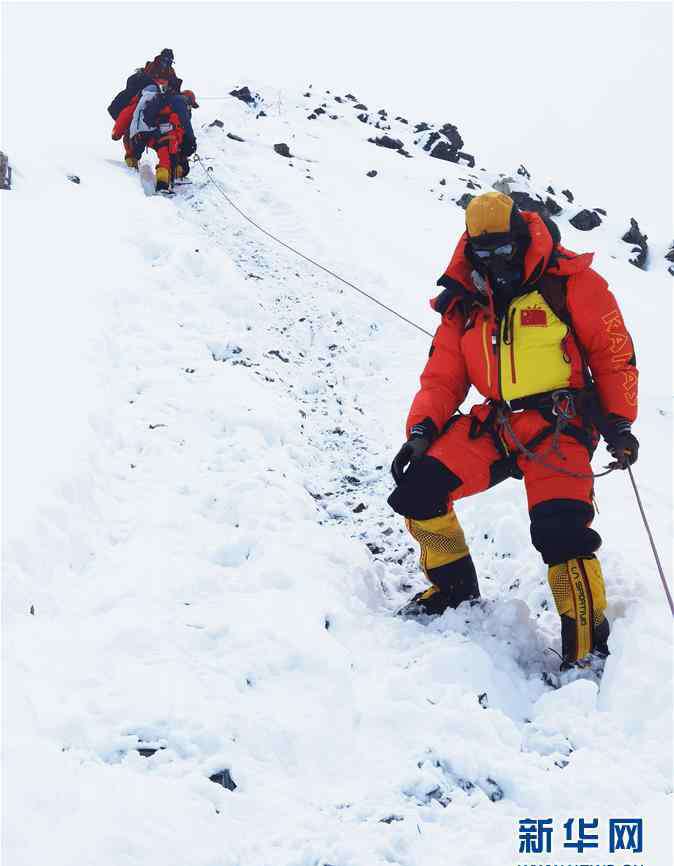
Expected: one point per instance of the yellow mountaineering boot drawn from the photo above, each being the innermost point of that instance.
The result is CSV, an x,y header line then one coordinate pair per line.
x,y
447,564
162,178
131,161
580,597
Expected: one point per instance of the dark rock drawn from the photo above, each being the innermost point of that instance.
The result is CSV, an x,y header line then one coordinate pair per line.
x,y
402,120
338,99
421,127
372,173
552,206
600,210
333,116
5,172
472,185
468,158
260,114
640,249
585,220
443,182
360,107
526,202
351,97
32,607
523,172
244,94
311,117
390,819
444,150
282,149
149,751
359,508
73,178
483,700
670,270
403,152
224,778
319,110
669,255
568,194
374,550
362,118
550,190
451,133
493,790
308,93
234,137
465,200
382,113
217,123
387,141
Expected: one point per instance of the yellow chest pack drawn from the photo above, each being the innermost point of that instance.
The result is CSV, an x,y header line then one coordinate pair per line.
x,y
532,352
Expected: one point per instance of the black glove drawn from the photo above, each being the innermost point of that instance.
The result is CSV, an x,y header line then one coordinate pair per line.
x,y
622,443
421,437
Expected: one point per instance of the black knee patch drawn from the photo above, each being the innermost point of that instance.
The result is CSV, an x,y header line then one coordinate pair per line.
x,y
424,490
559,531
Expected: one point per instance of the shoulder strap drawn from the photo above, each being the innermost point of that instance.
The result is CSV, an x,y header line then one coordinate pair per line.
x,y
553,290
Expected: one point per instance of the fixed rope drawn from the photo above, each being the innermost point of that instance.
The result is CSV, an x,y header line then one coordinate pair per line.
x,y
302,255
652,541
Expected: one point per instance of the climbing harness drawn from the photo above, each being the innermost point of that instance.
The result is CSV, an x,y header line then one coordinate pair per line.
x,y
563,409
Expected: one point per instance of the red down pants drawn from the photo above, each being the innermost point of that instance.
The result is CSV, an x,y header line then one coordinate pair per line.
x,y
471,458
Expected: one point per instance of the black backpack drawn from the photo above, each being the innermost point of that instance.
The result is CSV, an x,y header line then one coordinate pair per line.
x,y
134,84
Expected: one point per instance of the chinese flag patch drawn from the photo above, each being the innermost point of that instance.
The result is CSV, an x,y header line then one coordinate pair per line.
x,y
533,317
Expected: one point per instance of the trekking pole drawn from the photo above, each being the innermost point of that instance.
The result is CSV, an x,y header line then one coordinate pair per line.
x,y
650,538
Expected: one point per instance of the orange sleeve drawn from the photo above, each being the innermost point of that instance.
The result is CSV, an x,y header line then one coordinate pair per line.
x,y
444,381
603,335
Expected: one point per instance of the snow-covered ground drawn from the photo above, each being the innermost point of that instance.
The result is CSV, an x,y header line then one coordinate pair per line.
x,y
200,559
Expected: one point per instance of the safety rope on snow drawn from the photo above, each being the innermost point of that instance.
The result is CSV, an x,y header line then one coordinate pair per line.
x,y
302,255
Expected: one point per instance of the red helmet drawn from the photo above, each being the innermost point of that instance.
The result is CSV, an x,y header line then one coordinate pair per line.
x,y
190,97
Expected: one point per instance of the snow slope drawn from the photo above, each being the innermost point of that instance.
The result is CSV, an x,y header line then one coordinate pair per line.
x,y
198,433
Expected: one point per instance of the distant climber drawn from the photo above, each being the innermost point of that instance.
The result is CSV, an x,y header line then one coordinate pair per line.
x,y
162,121
152,112
538,333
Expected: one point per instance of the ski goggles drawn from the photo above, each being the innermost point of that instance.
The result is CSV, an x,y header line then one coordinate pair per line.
x,y
504,251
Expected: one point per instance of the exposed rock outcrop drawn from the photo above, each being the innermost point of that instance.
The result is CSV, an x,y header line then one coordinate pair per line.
x,y
585,220
639,241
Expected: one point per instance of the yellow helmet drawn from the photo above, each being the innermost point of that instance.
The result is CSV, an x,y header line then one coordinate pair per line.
x,y
492,213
